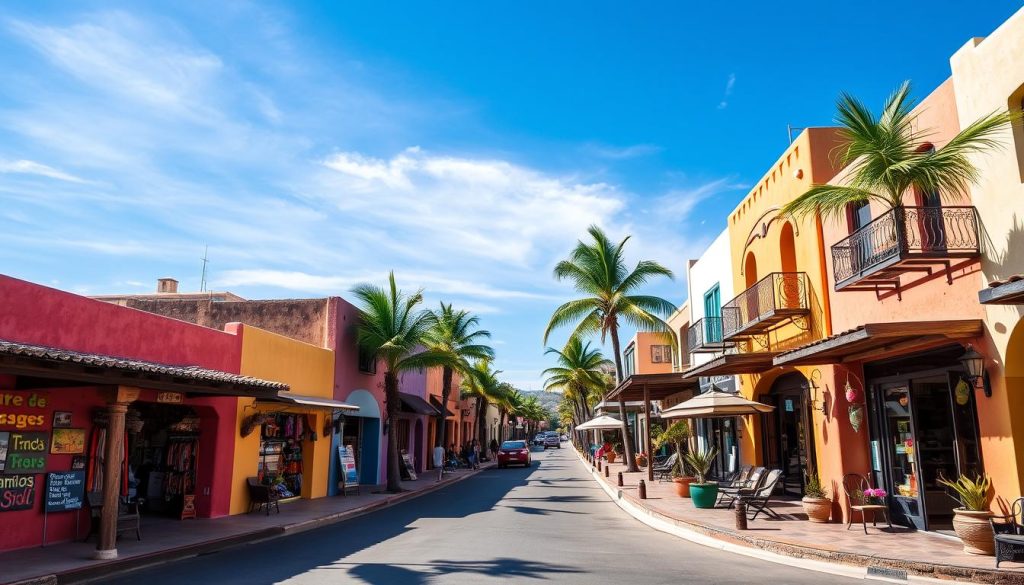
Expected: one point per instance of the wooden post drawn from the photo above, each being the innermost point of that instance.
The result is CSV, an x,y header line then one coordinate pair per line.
x,y
106,547
647,431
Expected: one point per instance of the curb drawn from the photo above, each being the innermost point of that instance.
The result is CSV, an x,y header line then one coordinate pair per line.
x,y
95,572
852,565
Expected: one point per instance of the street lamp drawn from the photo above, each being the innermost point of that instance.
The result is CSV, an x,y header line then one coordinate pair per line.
x,y
974,363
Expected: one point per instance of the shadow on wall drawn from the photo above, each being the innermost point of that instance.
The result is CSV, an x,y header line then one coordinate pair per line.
x,y
1010,261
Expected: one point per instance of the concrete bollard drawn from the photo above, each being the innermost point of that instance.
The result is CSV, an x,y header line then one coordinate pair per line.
x,y
642,490
741,514
606,470
620,479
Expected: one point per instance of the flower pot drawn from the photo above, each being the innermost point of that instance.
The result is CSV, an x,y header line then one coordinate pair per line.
x,y
974,530
704,495
641,462
610,456
817,509
682,485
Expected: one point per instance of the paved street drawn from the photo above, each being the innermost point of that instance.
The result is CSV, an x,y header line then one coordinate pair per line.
x,y
550,522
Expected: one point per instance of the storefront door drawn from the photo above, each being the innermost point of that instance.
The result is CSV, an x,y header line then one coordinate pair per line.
x,y
787,438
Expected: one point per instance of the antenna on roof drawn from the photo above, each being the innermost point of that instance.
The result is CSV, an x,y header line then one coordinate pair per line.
x,y
206,260
790,129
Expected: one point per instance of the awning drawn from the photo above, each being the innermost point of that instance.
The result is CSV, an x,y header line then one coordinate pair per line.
x,y
1004,292
303,400
658,386
416,405
732,364
600,423
877,340
436,404
716,404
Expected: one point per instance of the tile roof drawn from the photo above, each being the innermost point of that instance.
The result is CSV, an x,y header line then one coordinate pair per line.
x,y
194,373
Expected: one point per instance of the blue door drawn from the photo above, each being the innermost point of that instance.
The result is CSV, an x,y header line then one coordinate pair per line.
x,y
713,315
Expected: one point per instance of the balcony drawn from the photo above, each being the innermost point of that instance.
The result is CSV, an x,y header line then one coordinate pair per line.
x,y
772,301
705,336
904,240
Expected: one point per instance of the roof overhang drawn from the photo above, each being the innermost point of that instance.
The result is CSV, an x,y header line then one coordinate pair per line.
x,y
436,403
416,405
877,340
1010,292
732,364
303,400
658,386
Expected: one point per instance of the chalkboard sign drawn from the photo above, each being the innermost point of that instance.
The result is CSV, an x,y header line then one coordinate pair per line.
x,y
65,491
17,492
349,474
407,470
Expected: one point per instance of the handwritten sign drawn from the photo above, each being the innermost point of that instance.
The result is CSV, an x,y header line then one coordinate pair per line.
x,y
26,452
349,474
17,492
65,491
407,470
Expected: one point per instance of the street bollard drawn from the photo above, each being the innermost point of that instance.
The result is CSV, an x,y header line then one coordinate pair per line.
x,y
620,479
641,490
606,470
599,465
741,514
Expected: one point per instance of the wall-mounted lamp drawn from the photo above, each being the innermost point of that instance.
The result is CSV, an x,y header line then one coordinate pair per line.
x,y
822,404
974,363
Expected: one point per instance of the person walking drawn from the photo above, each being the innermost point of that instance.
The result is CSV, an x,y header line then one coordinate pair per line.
x,y
476,454
494,449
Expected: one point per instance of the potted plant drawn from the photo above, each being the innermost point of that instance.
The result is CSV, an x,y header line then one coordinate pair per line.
x,y
817,505
971,520
704,493
677,434
641,460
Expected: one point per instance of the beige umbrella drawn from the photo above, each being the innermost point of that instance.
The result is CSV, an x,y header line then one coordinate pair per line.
x,y
716,404
600,423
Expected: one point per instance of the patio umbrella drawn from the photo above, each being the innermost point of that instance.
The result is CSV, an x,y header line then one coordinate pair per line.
x,y
715,404
600,423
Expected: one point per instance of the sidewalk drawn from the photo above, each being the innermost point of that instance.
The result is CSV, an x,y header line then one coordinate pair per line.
x,y
898,554
166,539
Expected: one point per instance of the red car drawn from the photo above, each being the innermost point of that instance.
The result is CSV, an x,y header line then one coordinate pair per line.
x,y
514,453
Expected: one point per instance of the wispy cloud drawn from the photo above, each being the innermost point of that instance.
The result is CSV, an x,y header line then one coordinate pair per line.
x,y
28,167
622,152
729,85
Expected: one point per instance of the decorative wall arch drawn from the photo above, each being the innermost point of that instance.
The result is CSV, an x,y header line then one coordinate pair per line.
x,y
367,404
760,228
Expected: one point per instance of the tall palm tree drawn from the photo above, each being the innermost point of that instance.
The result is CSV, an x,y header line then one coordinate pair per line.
x,y
579,375
887,157
598,270
482,384
392,328
454,334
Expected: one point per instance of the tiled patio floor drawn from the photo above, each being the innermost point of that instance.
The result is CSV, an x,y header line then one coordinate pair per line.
x,y
899,547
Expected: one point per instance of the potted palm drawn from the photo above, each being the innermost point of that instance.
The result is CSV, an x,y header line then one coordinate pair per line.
x,y
816,502
971,520
676,435
704,493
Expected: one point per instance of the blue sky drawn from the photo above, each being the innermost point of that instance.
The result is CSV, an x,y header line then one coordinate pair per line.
x,y
317,145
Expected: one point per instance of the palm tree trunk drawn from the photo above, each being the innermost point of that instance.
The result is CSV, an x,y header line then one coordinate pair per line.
x,y
442,420
394,484
627,437
481,422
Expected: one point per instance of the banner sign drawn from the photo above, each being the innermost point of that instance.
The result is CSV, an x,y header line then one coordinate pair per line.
x,y
23,452
65,491
17,492
349,474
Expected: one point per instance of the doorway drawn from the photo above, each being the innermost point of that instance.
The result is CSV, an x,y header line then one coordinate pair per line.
x,y
787,438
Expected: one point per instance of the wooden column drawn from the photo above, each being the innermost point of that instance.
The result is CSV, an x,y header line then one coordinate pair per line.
x,y
106,547
647,431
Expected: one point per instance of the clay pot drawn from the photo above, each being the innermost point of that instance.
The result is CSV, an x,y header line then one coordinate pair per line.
x,y
610,456
641,462
817,509
682,485
974,530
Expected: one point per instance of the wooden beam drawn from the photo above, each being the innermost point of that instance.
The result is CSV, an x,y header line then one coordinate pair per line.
x,y
647,427
886,350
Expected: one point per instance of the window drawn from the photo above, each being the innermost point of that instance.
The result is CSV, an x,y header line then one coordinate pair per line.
x,y
367,363
713,315
629,357
661,354
860,216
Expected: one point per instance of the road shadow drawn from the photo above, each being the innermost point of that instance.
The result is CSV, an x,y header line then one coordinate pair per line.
x,y
414,574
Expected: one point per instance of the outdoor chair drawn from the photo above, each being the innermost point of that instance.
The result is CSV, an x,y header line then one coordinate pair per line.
x,y
1009,533
262,496
727,494
734,478
759,500
854,485
664,470
129,519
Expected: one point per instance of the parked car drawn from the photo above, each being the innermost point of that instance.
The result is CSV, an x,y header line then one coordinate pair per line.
x,y
539,439
514,453
552,439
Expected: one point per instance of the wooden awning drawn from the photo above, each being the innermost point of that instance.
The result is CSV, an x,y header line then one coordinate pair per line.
x,y
732,364
878,340
658,386
1008,292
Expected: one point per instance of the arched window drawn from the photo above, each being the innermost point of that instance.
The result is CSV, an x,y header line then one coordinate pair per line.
x,y
750,269
930,198
787,248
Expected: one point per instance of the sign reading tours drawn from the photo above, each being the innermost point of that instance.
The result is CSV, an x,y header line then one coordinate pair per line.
x,y
25,452
65,491
17,492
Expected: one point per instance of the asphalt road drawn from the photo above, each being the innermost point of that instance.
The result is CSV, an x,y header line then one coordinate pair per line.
x,y
547,523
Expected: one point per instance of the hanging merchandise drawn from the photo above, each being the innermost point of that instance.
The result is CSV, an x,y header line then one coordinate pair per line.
x,y
856,416
851,392
280,463
962,393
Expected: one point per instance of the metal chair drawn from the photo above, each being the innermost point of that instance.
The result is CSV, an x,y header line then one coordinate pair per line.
x,y
262,496
759,500
663,470
1009,533
728,494
854,485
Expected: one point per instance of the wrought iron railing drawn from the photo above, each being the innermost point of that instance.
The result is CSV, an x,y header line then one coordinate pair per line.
x,y
705,333
774,297
903,232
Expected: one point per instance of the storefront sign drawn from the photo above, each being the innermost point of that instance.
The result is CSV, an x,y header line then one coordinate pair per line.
x,y
65,491
407,470
11,403
349,473
170,397
17,492
25,452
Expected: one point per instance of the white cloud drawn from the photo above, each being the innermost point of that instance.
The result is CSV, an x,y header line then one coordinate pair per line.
x,y
623,152
27,167
729,85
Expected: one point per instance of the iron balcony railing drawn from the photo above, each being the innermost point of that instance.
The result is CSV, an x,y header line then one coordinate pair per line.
x,y
902,237
706,335
778,297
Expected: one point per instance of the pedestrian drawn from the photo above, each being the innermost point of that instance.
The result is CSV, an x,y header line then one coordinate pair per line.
x,y
476,454
494,448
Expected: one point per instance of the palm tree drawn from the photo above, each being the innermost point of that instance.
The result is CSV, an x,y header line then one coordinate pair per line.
x,y
392,328
598,269
579,375
454,334
887,157
482,383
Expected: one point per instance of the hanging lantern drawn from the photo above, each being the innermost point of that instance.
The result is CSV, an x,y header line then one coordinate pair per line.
x,y
851,392
856,417
904,400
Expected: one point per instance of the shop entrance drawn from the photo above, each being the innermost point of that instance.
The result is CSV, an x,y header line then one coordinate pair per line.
x,y
163,450
924,427
787,438
283,443
720,433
